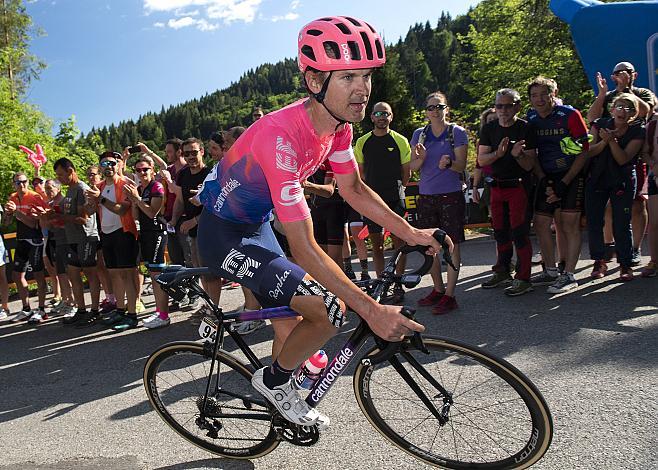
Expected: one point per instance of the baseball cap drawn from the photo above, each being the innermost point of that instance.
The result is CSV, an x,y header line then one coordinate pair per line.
x,y
623,66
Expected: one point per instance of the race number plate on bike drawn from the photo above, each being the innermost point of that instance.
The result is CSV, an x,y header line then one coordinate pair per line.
x,y
208,329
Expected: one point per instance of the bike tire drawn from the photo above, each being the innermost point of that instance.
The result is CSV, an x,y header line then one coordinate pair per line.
x,y
499,419
175,378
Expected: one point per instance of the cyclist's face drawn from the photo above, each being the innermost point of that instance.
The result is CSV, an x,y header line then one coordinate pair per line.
x,y
348,93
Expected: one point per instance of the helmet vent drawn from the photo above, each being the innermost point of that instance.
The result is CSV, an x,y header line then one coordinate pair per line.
x,y
343,28
380,49
332,50
353,21
314,32
308,52
354,50
366,42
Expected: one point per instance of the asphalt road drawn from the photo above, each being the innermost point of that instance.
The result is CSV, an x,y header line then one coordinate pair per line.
x,y
74,399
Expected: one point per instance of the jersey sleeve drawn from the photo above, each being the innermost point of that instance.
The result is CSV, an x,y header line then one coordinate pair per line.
x,y
342,157
403,145
280,166
358,148
578,128
157,190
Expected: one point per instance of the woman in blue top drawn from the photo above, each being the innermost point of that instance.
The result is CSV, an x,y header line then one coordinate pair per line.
x,y
439,152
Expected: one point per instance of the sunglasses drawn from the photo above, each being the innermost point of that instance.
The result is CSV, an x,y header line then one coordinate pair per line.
x,y
143,170
624,108
108,163
619,72
190,153
433,107
37,182
91,175
19,182
504,106
381,114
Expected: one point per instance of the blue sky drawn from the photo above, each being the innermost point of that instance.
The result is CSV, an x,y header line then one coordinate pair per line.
x,y
115,60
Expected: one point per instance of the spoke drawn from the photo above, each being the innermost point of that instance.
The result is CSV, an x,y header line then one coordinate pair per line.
x,y
402,397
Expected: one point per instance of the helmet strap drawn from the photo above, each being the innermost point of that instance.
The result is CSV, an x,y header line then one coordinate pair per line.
x,y
319,97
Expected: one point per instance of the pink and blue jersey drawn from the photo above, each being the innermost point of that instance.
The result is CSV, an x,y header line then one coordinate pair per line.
x,y
265,168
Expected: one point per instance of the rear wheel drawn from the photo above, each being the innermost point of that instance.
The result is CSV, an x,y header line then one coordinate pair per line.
x,y
236,422
494,417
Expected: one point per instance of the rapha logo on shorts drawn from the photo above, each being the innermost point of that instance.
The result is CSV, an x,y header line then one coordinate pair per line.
x,y
286,157
239,264
277,291
291,193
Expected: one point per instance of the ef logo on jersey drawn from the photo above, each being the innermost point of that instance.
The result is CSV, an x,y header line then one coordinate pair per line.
x,y
291,193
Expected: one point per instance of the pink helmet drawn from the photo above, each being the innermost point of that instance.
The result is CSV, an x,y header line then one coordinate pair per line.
x,y
354,42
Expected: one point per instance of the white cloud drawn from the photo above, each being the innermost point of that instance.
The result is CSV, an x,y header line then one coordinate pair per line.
x,y
159,24
181,23
233,10
287,17
203,25
295,4
186,13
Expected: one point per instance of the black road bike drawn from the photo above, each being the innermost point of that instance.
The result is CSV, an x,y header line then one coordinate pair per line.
x,y
447,403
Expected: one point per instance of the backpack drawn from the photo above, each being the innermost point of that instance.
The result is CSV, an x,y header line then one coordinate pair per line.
x,y
451,141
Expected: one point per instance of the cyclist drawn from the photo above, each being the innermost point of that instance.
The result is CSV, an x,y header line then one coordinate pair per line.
x,y
265,170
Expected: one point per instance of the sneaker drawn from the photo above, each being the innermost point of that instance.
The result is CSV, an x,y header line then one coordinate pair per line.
x,y
55,301
150,317
148,290
128,322
518,287
113,317
140,307
365,276
37,317
107,305
445,305
649,270
544,279
564,283
73,317
246,327
536,258
157,322
3,314
66,310
55,307
430,299
636,258
600,269
23,315
497,280
626,274
193,304
87,319
288,402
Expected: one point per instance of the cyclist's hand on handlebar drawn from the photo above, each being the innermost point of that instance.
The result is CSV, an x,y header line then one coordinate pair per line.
x,y
423,237
390,325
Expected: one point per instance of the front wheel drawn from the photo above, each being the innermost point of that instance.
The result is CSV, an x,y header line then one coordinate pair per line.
x,y
236,421
469,409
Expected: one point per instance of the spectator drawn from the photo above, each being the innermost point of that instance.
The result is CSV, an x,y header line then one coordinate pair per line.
x,y
231,136
23,205
119,238
4,287
560,190
186,213
383,156
216,146
440,155
624,75
508,147
109,303
56,251
81,233
147,203
652,160
480,173
611,176
257,113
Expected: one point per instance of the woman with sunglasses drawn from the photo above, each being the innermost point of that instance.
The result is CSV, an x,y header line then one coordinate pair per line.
x,y
611,176
147,206
439,152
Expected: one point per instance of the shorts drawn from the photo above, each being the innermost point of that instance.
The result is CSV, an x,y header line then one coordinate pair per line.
x,y
152,245
82,254
120,250
652,187
573,200
642,180
249,254
444,211
56,255
283,241
396,206
354,219
28,257
329,223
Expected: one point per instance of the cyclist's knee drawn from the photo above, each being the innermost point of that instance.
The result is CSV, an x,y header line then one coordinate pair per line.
x,y
325,305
